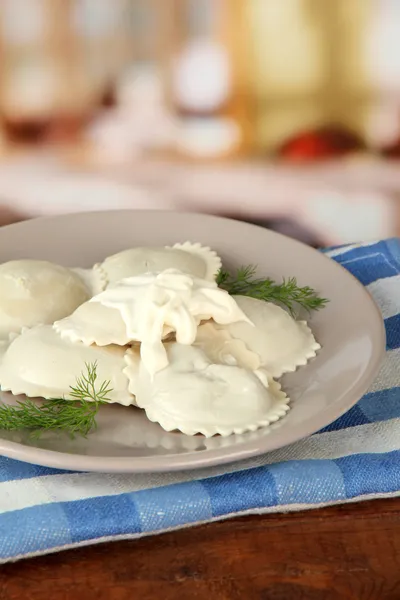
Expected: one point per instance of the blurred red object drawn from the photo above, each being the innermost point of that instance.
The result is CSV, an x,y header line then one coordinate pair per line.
x,y
321,144
392,151
40,131
108,98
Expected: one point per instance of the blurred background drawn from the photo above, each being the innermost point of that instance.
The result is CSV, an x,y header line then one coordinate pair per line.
x,y
280,112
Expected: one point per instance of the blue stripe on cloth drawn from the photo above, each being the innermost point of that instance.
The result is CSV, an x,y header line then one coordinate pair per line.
x,y
393,246
101,516
312,482
355,416
303,482
34,529
170,506
392,326
308,481
370,263
370,473
375,406
295,482
241,490
47,526
382,405
14,469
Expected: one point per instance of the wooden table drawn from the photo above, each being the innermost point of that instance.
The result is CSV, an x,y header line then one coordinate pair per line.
x,y
349,552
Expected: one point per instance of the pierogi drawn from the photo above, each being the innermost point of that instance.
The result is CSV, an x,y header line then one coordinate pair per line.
x,y
39,363
34,292
194,395
281,343
194,259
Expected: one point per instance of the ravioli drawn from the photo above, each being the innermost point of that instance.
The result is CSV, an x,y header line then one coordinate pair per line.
x,y
94,280
193,259
94,323
194,395
211,259
39,363
221,348
146,308
36,292
281,343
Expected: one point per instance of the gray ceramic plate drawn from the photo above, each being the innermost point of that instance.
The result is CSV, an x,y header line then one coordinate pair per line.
x,y
350,330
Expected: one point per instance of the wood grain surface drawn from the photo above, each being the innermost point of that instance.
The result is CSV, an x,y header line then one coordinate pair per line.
x,y
349,552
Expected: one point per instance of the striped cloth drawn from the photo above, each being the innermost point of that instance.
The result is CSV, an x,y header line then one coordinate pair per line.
x,y
356,458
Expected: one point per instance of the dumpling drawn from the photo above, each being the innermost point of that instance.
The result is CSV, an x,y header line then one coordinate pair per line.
x,y
211,259
194,395
33,292
38,363
94,280
282,343
94,323
189,258
146,308
221,347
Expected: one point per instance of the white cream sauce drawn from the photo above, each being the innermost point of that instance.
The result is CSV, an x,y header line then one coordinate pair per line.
x,y
155,303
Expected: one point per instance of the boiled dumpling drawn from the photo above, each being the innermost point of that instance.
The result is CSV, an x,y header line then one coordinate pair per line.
x,y
213,262
94,280
194,395
146,308
221,347
188,258
34,292
94,323
282,343
38,363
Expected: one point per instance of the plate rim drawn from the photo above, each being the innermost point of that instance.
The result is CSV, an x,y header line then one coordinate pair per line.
x,y
211,457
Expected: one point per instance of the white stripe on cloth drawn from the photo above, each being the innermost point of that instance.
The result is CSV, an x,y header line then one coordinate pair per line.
x,y
386,293
388,376
373,438
343,249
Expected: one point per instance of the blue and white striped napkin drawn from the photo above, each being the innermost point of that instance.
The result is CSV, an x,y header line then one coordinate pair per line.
x,y
356,458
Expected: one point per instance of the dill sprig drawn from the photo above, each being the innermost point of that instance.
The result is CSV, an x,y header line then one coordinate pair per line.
x,y
245,283
75,417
